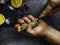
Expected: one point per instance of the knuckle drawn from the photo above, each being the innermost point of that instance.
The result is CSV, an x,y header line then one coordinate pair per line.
x,y
20,21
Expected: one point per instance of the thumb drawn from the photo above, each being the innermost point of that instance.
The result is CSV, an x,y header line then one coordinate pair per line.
x,y
30,30
29,27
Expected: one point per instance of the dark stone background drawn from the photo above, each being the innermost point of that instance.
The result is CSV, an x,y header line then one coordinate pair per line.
x,y
8,35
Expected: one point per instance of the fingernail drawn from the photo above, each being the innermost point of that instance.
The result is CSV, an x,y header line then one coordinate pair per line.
x,y
16,26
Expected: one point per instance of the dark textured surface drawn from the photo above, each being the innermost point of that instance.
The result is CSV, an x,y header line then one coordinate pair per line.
x,y
8,35
53,20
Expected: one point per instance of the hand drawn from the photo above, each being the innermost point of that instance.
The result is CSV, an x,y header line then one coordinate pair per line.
x,y
38,30
44,30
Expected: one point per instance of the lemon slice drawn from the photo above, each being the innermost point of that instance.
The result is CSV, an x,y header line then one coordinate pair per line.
x,y
16,3
2,19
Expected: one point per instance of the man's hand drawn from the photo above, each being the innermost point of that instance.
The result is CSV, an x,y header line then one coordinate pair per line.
x,y
38,30
44,30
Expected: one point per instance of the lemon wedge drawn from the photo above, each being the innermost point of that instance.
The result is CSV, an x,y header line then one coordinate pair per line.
x,y
2,19
16,3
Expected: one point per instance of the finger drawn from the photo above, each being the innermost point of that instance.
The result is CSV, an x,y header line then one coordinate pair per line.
x,y
31,17
21,21
16,26
30,30
27,19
